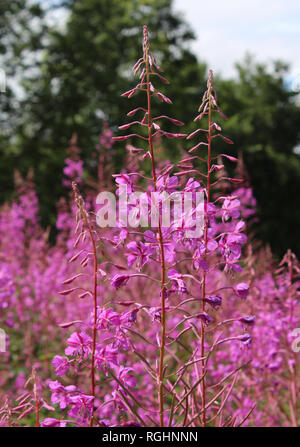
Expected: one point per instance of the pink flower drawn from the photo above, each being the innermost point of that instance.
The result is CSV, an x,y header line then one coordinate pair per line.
x,y
125,376
139,253
166,183
106,357
155,313
231,208
192,185
79,343
169,251
73,169
177,281
199,262
61,365
107,318
51,422
60,394
7,288
129,318
124,179
82,405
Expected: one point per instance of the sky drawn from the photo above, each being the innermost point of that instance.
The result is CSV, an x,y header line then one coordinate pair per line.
x,y
226,30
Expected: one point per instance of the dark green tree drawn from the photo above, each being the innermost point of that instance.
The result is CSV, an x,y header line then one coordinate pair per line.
x,y
264,124
85,66
21,30
72,76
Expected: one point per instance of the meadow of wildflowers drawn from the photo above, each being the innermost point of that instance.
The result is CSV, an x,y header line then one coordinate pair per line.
x,y
147,325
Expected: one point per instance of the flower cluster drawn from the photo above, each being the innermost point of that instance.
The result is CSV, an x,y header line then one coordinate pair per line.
x,y
147,326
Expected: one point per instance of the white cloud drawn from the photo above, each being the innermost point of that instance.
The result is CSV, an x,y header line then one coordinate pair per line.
x,y
227,30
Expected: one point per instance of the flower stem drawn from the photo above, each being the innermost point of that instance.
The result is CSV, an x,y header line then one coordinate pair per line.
x,y
95,278
162,258
36,399
202,353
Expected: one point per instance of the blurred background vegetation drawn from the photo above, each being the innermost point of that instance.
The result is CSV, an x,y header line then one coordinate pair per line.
x,y
67,78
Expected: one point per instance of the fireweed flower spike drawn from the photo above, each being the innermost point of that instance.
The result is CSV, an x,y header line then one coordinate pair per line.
x,y
231,209
86,227
170,241
148,68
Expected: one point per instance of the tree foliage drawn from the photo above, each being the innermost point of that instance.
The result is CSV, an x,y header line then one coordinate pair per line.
x,y
72,75
264,124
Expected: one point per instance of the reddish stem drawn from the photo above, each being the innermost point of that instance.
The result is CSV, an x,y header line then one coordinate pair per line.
x,y
202,352
84,215
162,258
36,399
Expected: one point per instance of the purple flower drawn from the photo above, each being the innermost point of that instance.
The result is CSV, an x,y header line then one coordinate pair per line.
x,y
192,185
150,237
155,313
119,280
245,338
166,183
7,288
233,239
248,320
177,281
125,376
130,424
79,343
107,318
231,208
198,256
232,265
212,245
169,251
61,365
130,317
51,422
205,318
242,289
106,357
139,253
119,240
214,301
61,394
275,365
120,341
82,405
125,180
73,170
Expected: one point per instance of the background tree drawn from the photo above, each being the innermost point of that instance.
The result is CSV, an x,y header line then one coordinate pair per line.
x,y
264,125
85,67
72,74
21,31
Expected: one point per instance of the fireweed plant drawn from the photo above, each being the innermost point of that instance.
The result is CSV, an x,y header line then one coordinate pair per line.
x,y
147,326
198,251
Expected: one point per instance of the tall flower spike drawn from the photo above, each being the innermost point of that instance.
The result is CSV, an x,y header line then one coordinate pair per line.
x,y
83,215
148,68
207,107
